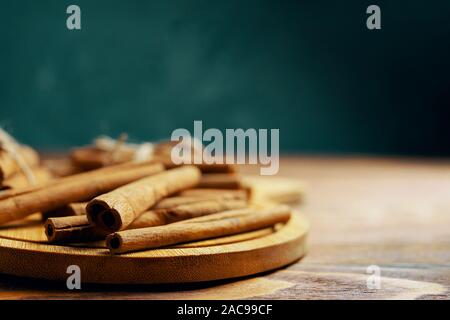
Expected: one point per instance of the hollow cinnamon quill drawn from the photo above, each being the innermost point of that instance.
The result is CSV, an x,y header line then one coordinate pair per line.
x,y
69,210
220,181
79,229
183,212
117,209
241,194
72,229
55,196
79,208
190,230
4,194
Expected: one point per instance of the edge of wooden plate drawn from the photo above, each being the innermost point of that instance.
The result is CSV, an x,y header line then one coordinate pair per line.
x,y
167,265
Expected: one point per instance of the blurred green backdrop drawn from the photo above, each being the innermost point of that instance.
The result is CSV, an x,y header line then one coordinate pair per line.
x,y
310,68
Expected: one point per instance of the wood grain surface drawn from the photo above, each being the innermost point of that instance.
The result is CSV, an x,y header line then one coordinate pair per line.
x,y
24,248
392,213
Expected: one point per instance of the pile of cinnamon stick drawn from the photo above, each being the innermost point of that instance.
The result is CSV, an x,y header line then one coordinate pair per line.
x,y
139,205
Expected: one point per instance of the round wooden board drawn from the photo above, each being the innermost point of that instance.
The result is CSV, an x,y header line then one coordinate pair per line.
x,y
23,252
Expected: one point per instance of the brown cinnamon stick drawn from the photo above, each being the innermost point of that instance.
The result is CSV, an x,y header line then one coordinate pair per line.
x,y
180,200
117,209
241,194
83,176
73,229
62,166
183,212
216,168
220,181
79,229
92,157
69,210
192,230
163,153
73,190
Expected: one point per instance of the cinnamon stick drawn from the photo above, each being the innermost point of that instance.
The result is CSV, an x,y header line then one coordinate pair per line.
x,y
71,209
117,209
220,181
73,229
204,167
79,229
73,190
93,158
83,176
192,230
216,168
183,212
62,166
163,152
241,194
179,200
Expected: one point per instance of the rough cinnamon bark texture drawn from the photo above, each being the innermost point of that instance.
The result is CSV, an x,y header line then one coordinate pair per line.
x,y
9,166
83,176
92,158
119,208
220,181
240,194
182,212
62,166
72,209
181,200
171,202
163,153
76,190
216,168
196,229
73,229
79,229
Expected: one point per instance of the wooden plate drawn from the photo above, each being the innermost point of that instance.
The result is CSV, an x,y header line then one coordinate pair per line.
x,y
23,252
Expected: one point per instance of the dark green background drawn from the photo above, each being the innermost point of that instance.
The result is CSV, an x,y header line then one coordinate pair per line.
x,y
310,68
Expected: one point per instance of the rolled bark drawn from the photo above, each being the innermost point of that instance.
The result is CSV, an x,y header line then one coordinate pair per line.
x,y
191,230
4,194
220,181
72,209
117,209
180,200
79,229
238,194
160,217
74,229
93,158
62,166
216,168
73,190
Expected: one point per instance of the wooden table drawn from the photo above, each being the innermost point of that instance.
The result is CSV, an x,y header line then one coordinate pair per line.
x,y
390,213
